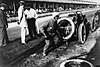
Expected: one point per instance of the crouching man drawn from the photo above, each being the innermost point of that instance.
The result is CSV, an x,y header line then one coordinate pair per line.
x,y
45,28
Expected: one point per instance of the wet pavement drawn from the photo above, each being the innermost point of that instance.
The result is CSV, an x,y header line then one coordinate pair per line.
x,y
94,55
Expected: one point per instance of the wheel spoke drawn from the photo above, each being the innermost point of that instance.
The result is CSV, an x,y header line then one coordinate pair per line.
x,y
68,29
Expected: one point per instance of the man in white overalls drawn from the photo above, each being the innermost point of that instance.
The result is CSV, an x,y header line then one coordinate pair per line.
x,y
22,21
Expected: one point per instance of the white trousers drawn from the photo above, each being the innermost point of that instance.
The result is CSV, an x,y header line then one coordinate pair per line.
x,y
23,34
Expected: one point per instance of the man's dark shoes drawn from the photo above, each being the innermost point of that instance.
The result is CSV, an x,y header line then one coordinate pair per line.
x,y
39,35
23,43
36,37
4,44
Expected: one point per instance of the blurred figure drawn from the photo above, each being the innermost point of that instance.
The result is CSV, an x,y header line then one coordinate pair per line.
x,y
61,9
3,25
31,20
22,21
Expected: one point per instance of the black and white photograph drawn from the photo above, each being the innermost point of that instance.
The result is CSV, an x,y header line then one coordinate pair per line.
x,y
49,33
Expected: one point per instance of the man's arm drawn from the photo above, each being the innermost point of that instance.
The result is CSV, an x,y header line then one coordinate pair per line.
x,y
1,18
43,29
20,15
5,19
34,13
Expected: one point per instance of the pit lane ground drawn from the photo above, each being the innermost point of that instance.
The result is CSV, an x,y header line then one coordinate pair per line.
x,y
12,53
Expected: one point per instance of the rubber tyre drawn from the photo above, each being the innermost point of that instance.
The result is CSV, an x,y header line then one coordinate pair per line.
x,y
73,27
93,28
65,63
82,33
94,23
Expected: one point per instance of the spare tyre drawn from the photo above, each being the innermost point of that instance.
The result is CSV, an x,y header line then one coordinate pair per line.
x,y
82,33
67,27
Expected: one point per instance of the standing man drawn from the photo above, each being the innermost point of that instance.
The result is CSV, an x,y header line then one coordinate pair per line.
x,y
3,25
22,21
31,19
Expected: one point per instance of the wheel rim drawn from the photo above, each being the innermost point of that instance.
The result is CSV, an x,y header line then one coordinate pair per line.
x,y
83,34
94,25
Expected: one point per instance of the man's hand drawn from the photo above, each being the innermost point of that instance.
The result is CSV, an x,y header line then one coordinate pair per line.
x,y
6,26
45,36
18,22
51,30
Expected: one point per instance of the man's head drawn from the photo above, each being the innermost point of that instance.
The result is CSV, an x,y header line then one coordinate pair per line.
x,y
22,3
28,7
56,16
3,6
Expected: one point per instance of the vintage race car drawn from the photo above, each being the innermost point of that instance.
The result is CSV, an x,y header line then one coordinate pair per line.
x,y
73,25
96,20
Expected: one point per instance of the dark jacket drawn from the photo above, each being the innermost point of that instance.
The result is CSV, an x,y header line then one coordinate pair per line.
x,y
3,19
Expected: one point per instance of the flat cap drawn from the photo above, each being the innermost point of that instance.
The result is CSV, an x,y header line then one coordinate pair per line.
x,y
21,2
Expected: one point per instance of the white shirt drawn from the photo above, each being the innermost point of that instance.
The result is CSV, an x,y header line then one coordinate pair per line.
x,y
31,13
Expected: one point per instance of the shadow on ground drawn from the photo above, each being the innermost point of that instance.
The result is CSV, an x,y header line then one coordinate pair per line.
x,y
15,51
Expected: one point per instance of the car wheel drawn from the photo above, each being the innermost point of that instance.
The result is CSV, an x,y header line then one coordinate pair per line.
x,y
75,63
94,23
82,33
67,27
